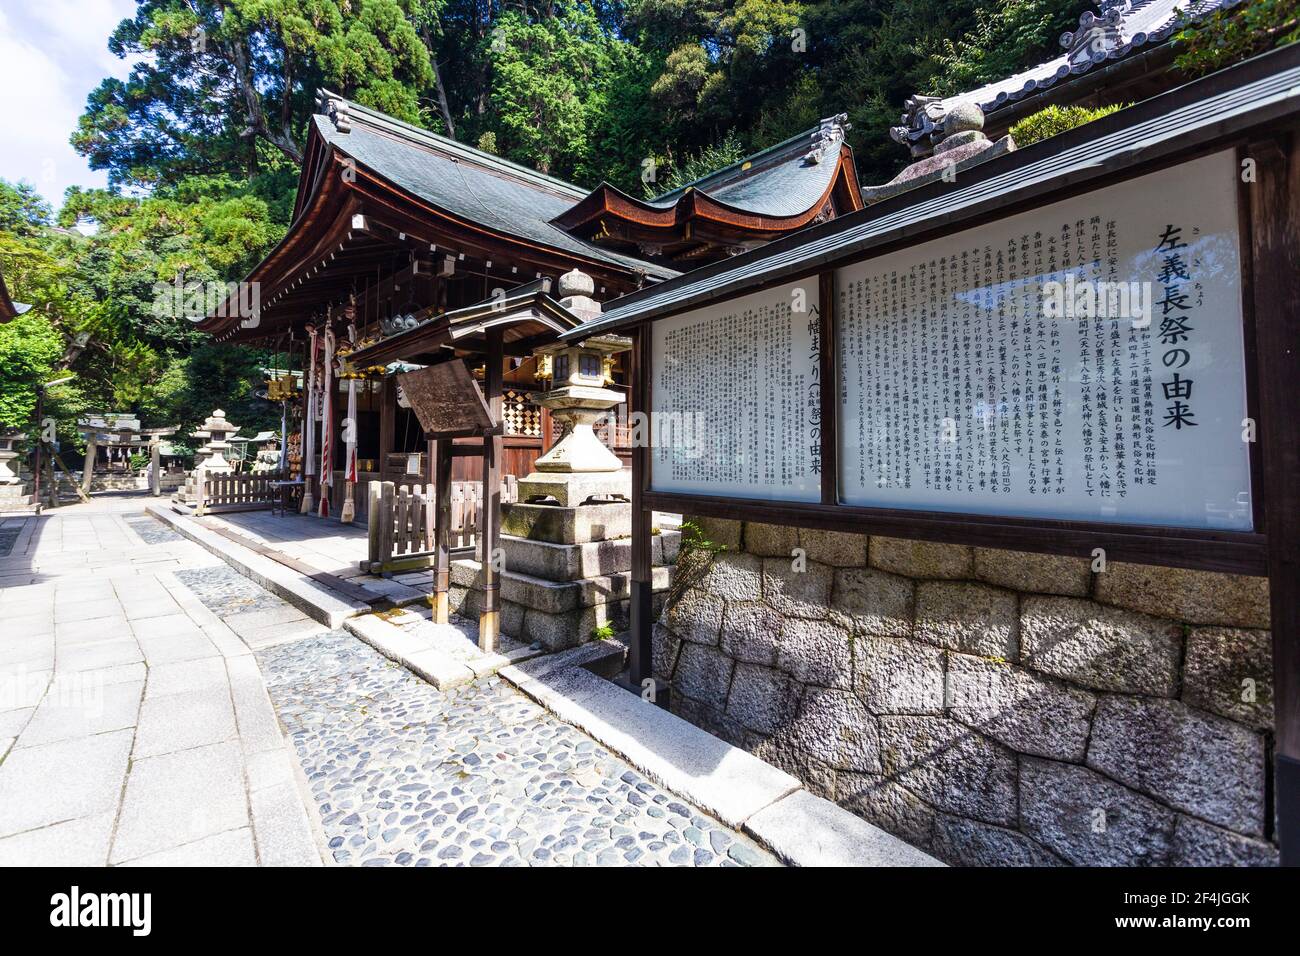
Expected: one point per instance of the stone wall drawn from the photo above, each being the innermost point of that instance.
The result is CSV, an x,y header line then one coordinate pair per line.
x,y
992,707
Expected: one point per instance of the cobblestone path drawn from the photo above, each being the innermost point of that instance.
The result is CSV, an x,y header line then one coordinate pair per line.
x,y
404,774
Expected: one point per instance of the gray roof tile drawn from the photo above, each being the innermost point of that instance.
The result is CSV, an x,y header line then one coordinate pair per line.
x,y
469,184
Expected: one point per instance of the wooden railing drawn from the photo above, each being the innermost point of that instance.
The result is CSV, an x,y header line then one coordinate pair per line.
x,y
230,492
401,522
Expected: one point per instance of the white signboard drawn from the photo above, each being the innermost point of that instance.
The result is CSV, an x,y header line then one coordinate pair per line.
x,y
735,398
1081,361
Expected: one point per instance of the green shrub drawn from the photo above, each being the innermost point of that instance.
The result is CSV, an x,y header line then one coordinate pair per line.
x,y
1055,120
1230,35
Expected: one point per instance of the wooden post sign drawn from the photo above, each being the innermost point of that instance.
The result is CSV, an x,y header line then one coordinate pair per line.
x,y
1062,355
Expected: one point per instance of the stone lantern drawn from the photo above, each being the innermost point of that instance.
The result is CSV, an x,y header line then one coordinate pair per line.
x,y
218,433
580,466
13,490
9,452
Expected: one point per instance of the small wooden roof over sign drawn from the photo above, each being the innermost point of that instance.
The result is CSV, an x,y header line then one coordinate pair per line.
x,y
446,400
527,314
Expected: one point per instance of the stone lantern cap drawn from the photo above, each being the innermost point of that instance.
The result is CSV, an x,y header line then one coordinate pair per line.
x,y
576,282
216,422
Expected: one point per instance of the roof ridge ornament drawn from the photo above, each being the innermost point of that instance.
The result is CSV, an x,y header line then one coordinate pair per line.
x,y
1097,37
335,109
829,134
954,139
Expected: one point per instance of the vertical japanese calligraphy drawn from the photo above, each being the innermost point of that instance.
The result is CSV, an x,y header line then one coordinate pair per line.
x,y
962,391
735,403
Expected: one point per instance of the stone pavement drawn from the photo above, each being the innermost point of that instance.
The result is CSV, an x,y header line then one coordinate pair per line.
x,y
136,727
403,773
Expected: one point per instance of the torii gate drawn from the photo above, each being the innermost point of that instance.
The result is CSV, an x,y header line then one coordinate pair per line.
x,y
121,431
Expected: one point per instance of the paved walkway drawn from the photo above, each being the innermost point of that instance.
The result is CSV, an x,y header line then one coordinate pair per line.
x,y
135,726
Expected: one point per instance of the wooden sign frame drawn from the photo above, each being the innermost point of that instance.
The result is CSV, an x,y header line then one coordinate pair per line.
x,y
1237,552
1269,233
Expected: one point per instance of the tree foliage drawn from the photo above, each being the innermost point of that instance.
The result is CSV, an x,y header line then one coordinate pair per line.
x,y
202,140
1227,36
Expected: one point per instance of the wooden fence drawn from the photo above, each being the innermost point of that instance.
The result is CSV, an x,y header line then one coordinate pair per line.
x,y
401,520
230,492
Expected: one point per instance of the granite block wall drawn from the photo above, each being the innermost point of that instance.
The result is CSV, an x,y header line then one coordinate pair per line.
x,y
991,707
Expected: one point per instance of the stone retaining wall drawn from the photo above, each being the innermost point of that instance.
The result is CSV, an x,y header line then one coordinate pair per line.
x,y
991,707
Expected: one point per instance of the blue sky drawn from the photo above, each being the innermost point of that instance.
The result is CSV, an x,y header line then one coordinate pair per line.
x,y
52,54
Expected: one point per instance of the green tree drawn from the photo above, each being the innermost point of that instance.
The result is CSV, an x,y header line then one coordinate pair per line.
x,y
22,210
30,350
1227,36
225,86
1005,40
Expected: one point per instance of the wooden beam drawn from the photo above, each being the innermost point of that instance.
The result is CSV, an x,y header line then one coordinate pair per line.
x,y
489,622
1274,200
440,458
640,673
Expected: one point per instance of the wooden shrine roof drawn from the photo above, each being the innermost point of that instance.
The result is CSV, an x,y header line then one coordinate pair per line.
x,y
373,191
1124,41
477,186
806,179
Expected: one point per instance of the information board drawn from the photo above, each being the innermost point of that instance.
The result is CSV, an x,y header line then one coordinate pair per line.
x,y
1081,361
735,407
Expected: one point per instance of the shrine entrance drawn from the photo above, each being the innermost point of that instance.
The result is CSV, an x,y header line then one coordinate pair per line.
x,y
449,405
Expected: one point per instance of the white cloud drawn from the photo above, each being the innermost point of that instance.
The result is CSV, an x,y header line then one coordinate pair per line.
x,y
52,54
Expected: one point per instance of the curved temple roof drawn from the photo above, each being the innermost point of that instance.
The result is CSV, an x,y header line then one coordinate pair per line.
x,y
805,179
466,182
373,189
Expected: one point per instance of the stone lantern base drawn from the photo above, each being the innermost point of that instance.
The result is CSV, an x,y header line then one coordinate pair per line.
x,y
558,594
16,498
569,491
14,495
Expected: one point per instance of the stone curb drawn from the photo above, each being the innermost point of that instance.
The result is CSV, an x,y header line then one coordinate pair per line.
x,y
732,784
422,658
316,602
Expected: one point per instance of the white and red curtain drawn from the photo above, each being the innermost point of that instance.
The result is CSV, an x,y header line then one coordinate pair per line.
x,y
309,424
327,427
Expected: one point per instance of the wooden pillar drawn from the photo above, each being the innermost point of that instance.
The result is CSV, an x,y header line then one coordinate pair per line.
x,y
489,622
640,672
387,422
546,432
88,468
374,515
1274,208
440,457
155,465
